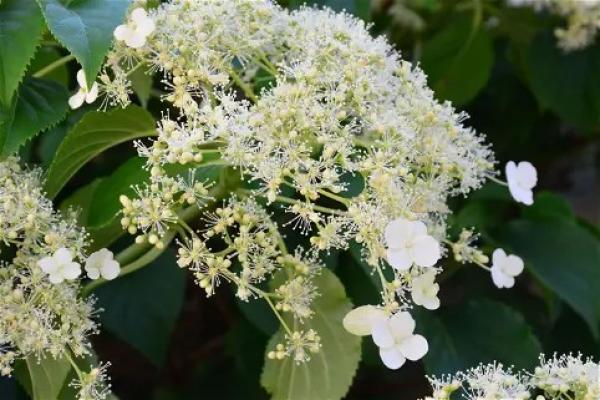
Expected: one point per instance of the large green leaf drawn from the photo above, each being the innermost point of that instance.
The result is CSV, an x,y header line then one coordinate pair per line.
x,y
478,332
47,377
458,61
95,132
329,373
565,257
20,31
40,104
566,83
141,308
85,27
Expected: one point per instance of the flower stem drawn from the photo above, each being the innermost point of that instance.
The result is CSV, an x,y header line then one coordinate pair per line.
x,y
243,85
53,65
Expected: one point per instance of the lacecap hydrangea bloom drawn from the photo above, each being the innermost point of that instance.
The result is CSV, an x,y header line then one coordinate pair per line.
x,y
345,137
560,377
41,312
582,20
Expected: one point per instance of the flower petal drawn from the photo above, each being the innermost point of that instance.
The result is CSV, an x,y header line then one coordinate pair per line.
x,y
91,96
71,270
63,256
121,32
425,251
414,347
397,231
513,265
431,302
145,27
402,325
110,269
399,259
135,40
498,257
382,335
527,174
47,264
360,320
77,99
81,81
391,357
92,271
520,194
55,277
138,15
500,279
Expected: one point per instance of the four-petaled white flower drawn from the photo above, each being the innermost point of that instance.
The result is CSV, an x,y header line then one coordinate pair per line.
x,y
138,28
408,243
60,266
424,290
521,179
505,268
84,93
393,335
102,263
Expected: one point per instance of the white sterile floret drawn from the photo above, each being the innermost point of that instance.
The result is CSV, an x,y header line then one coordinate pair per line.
x,y
102,264
137,29
408,243
393,335
505,268
396,341
521,178
425,290
60,266
84,93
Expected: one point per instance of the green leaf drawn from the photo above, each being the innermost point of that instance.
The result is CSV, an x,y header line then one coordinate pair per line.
x,y
565,257
43,57
85,27
458,61
95,132
20,32
141,308
329,373
549,207
141,82
566,83
478,332
40,104
47,377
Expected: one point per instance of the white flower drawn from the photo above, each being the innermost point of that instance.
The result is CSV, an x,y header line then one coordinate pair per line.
x,y
60,266
135,32
394,336
361,320
424,290
83,94
396,341
505,268
101,263
521,178
408,243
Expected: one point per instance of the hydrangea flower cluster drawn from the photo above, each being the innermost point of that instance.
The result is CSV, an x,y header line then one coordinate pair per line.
x,y
561,377
41,312
583,20
316,117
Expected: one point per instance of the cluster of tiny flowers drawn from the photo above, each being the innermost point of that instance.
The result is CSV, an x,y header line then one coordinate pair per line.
x,y
41,314
583,20
307,107
561,377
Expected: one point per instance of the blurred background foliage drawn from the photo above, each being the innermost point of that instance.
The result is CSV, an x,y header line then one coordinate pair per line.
x,y
165,340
